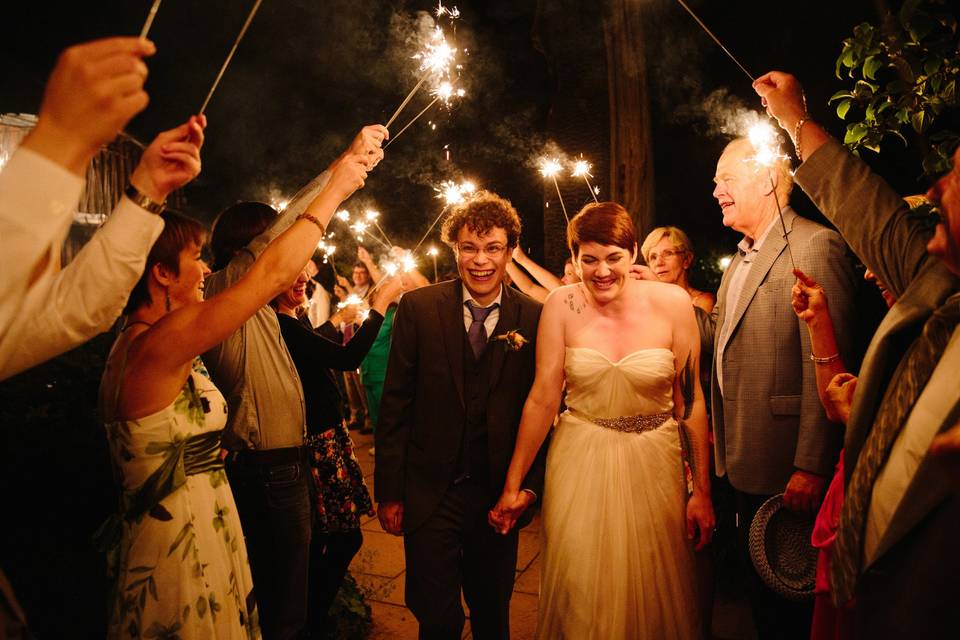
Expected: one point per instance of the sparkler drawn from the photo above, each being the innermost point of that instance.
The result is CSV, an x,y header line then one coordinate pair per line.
x,y
328,251
581,168
549,168
150,16
372,217
432,252
716,39
360,229
435,58
233,50
765,141
452,193
443,92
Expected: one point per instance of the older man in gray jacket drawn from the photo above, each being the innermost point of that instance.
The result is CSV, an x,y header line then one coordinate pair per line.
x,y
771,433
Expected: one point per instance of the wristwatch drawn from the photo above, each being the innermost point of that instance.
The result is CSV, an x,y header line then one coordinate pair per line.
x,y
144,201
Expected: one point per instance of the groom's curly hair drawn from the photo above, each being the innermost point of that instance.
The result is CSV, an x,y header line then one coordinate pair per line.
x,y
481,213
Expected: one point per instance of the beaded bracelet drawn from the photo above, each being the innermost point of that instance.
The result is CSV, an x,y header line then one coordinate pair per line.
x,y
796,136
312,218
826,360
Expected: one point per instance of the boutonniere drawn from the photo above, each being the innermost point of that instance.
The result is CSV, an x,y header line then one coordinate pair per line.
x,y
512,340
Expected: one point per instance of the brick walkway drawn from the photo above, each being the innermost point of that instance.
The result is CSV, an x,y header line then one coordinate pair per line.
x,y
379,569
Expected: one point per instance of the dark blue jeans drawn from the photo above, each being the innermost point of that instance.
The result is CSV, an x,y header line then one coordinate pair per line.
x,y
273,501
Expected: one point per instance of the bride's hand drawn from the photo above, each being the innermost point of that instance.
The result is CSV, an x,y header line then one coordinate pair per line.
x,y
508,509
700,516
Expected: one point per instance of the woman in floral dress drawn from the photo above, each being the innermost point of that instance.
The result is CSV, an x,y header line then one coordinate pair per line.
x,y
175,548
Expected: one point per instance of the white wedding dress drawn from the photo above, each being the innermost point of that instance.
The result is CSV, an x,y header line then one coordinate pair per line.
x,y
616,559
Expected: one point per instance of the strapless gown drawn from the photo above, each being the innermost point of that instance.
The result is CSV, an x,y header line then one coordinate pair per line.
x,y
616,559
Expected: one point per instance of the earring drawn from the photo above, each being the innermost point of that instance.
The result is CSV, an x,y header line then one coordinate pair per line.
x,y
166,299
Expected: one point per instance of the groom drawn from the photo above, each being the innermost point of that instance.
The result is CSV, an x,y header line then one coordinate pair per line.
x,y
456,383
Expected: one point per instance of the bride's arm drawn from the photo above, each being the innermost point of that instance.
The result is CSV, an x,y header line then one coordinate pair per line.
x,y
691,413
539,411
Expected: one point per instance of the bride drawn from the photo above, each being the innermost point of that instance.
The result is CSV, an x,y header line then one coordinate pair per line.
x,y
618,537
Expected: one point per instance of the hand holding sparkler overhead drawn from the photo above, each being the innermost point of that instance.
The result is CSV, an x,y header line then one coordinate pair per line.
x,y
92,93
784,100
170,161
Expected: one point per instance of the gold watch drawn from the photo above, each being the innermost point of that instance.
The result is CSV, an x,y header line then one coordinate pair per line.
x,y
144,201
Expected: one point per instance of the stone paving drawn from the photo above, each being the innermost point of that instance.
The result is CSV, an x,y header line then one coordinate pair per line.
x,y
379,569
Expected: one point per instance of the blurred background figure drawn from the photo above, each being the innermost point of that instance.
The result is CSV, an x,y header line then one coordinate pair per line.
x,y
669,254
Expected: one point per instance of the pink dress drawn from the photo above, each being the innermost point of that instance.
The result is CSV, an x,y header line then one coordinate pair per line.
x,y
829,622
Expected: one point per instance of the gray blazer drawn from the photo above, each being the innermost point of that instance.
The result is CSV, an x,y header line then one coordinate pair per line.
x,y
768,422
919,547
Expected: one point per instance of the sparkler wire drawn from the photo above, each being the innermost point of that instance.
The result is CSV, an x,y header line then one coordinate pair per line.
x,y
590,187
716,39
382,232
432,225
150,16
233,50
562,205
407,126
783,224
407,100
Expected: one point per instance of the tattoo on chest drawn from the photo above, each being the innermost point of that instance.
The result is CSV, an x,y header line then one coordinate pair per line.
x,y
574,304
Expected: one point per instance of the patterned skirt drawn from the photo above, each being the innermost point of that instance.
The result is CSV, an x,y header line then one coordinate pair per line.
x,y
342,495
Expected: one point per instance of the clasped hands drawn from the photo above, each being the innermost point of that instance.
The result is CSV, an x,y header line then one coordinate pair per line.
x,y
508,510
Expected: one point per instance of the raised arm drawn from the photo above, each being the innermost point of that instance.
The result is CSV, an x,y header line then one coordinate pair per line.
x,y
872,217
691,413
539,411
86,297
525,284
191,330
546,279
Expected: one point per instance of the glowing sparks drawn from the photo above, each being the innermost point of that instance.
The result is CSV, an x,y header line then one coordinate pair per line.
x,y
344,215
372,215
432,252
581,168
390,268
437,55
441,11
455,193
444,91
550,167
351,300
408,262
766,143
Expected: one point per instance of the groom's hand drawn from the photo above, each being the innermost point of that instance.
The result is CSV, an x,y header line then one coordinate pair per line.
x,y
508,510
391,517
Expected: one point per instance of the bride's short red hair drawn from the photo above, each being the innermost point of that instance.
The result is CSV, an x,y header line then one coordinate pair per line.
x,y
605,223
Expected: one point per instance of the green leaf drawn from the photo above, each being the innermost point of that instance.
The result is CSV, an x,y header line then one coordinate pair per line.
x,y
897,134
855,133
870,67
932,65
949,93
842,109
840,94
846,58
919,121
903,116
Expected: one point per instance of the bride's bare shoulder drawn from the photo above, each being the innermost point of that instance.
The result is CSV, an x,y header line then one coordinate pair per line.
x,y
662,294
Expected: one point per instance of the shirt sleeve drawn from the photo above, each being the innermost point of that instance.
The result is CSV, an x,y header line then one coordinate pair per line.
x,y
308,345
63,310
37,201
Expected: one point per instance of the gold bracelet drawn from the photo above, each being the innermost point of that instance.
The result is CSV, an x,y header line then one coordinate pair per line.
x,y
826,360
144,201
796,136
312,218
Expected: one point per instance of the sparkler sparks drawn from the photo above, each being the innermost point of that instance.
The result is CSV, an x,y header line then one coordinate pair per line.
x,y
549,168
452,193
581,168
344,215
766,144
443,92
351,300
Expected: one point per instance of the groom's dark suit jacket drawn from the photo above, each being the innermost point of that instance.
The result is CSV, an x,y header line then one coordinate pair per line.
x,y
423,415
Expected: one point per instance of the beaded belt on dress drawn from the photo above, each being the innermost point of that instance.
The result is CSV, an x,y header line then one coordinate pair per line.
x,y
627,424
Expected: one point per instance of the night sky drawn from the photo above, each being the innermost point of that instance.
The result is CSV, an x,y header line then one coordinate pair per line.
x,y
309,74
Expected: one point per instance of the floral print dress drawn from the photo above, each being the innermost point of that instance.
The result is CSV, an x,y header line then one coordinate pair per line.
x,y
176,549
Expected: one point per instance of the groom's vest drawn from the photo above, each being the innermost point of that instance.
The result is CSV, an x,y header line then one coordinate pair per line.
x,y
473,460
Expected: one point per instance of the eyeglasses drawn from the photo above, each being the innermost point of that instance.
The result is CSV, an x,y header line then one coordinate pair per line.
x,y
491,250
666,254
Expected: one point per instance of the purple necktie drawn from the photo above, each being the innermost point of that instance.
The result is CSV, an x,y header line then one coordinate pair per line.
x,y
477,333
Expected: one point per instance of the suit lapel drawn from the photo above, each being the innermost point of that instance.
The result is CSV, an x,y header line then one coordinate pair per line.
x,y
450,310
773,246
509,320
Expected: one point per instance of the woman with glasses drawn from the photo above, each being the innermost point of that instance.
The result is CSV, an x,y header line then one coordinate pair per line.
x,y
669,254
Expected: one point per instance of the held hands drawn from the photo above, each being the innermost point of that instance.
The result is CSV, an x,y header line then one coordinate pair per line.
x,y
94,90
804,492
508,510
390,515
808,299
368,143
171,161
839,394
700,517
782,95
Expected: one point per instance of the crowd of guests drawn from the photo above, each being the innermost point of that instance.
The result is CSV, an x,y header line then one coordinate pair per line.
x,y
223,395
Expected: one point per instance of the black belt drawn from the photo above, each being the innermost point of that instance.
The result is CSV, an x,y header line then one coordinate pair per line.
x,y
268,457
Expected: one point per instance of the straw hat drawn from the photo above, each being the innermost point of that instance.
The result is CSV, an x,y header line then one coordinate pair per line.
x,y
781,551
